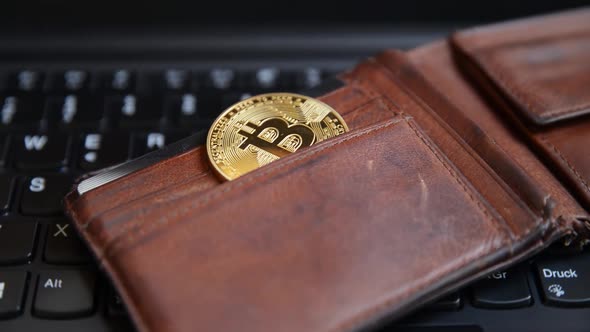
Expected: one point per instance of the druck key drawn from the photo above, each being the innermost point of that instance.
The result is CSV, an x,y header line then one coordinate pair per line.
x,y
565,280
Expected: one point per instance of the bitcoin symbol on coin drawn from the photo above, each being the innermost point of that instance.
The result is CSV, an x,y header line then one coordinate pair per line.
x,y
264,128
275,136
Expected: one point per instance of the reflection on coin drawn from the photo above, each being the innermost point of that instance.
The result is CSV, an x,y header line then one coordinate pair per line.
x,y
264,128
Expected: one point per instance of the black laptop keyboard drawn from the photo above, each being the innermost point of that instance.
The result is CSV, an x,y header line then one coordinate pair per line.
x,y
56,125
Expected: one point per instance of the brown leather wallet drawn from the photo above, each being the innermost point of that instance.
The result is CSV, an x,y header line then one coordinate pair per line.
x,y
464,156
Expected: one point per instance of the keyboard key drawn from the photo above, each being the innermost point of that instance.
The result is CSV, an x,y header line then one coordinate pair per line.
x,y
269,78
149,142
17,239
447,303
308,78
36,151
42,195
71,80
502,290
72,111
564,280
121,80
65,294
26,81
132,111
12,292
6,184
188,111
176,80
4,146
20,111
221,78
63,246
103,150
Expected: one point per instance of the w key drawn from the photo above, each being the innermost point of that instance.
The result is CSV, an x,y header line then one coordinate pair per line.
x,y
41,151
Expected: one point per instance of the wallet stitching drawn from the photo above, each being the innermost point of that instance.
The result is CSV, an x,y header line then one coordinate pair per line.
x,y
568,164
499,74
133,233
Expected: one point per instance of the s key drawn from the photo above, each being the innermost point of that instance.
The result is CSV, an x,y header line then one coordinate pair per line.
x,y
42,195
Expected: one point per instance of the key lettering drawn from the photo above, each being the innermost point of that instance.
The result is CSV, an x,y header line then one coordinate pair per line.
x,y
35,142
155,140
92,141
9,109
37,184
129,106
568,274
53,283
69,108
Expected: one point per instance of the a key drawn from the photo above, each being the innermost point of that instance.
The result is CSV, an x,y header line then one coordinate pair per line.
x,y
65,294
27,80
220,78
20,111
63,246
267,79
149,142
449,302
5,187
502,290
6,183
42,195
564,279
17,238
4,146
12,292
40,151
182,110
121,80
72,111
132,111
74,80
103,150
177,80
308,78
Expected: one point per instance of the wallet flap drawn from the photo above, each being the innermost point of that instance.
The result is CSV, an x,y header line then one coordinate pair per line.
x,y
540,65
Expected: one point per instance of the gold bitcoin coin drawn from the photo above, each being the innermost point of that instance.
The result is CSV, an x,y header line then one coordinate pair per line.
x,y
263,128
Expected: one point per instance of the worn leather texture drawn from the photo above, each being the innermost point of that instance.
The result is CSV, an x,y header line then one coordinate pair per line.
x,y
441,180
537,71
